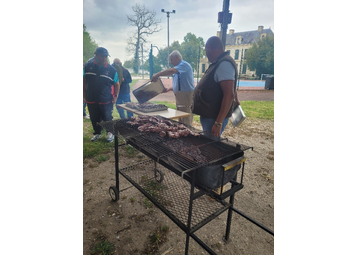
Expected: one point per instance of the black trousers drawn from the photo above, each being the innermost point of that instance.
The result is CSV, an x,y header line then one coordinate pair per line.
x,y
98,113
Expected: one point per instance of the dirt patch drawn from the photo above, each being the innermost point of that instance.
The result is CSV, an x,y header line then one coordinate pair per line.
x,y
132,223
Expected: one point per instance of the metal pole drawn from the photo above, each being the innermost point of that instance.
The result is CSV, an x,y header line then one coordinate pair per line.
x,y
151,62
168,15
168,38
253,221
142,62
239,76
197,79
226,4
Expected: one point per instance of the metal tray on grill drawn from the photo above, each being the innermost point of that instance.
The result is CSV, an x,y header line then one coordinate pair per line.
x,y
148,90
131,105
153,108
238,116
147,107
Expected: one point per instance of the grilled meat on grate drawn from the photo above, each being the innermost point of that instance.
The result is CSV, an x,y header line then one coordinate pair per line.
x,y
188,150
163,127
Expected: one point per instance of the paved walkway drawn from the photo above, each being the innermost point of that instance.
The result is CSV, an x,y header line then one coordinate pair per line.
x,y
245,93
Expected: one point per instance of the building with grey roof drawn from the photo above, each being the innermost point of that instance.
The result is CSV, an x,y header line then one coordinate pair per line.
x,y
238,43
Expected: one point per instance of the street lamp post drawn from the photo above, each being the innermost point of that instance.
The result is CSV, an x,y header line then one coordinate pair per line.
x,y
168,12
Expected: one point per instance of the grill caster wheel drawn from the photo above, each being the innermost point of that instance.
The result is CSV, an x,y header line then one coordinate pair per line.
x,y
158,175
114,193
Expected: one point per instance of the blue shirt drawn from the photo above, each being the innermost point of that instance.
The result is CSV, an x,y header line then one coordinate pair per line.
x,y
184,76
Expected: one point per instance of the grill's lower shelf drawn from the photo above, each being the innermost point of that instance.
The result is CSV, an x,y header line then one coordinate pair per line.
x,y
172,194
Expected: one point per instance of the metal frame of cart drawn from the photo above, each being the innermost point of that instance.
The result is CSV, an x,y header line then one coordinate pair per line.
x,y
188,214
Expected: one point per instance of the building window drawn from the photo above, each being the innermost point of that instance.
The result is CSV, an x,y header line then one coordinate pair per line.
x,y
238,40
203,68
237,54
245,54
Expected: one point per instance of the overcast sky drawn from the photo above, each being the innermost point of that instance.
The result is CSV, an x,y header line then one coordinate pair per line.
x,y
106,20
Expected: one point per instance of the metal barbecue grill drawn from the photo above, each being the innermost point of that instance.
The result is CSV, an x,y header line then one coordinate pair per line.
x,y
175,180
156,147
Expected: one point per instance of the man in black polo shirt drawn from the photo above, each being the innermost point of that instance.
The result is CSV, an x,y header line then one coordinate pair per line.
x,y
100,91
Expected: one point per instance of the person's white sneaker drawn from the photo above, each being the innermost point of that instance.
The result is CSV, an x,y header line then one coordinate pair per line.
x,y
86,117
96,137
110,137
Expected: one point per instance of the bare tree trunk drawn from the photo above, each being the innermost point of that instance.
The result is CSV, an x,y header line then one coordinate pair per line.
x,y
146,24
136,57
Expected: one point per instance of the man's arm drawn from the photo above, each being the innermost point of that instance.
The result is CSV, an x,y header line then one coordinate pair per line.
x,y
227,88
169,71
116,91
84,90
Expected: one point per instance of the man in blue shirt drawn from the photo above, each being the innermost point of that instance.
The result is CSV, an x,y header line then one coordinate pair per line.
x,y
182,86
100,91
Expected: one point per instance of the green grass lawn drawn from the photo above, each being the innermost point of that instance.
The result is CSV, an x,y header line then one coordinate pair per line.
x,y
98,149
258,109
132,83
252,109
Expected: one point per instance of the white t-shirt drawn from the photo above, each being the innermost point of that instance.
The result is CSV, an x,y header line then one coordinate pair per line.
x,y
225,71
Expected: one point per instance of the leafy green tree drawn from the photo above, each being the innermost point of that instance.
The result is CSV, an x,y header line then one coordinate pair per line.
x,y
163,54
128,63
190,49
156,66
260,57
89,45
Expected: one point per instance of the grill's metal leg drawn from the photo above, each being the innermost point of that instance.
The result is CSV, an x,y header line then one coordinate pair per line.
x,y
116,161
189,214
242,172
229,215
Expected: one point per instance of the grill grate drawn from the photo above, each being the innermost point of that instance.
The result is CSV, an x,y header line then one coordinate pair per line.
x,y
152,144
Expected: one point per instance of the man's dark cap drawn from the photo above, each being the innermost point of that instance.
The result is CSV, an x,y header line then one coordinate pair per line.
x,y
102,51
